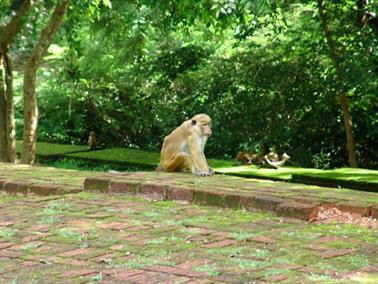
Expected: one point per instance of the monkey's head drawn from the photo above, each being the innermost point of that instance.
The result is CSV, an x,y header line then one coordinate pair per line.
x,y
203,123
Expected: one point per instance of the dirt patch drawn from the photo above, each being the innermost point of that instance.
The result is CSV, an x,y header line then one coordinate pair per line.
x,y
328,215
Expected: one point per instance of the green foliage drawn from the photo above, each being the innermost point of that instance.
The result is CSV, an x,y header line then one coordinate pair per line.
x,y
132,71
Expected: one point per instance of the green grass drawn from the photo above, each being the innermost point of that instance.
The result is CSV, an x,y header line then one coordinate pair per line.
x,y
285,173
132,159
50,149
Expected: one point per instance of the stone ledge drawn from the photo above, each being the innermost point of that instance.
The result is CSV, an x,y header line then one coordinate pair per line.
x,y
219,192
14,187
42,189
374,212
172,188
101,184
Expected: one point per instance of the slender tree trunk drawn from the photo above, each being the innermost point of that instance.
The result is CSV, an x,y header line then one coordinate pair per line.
x,y
335,56
3,132
10,121
7,122
30,76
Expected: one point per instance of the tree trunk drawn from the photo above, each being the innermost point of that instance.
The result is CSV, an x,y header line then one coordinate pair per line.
x,y
7,122
30,75
3,132
335,56
10,121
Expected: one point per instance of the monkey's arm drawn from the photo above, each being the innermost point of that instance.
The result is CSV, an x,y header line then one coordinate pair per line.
x,y
198,157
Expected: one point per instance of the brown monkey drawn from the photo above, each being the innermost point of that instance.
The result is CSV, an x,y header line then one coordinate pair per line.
x,y
275,161
183,149
248,158
92,141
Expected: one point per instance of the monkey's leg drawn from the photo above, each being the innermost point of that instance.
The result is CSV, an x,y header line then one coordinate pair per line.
x,y
181,161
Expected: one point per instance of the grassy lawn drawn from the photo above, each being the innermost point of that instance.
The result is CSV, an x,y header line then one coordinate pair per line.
x,y
285,173
149,160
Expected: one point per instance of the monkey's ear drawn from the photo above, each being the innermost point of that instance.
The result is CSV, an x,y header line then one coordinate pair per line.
x,y
194,122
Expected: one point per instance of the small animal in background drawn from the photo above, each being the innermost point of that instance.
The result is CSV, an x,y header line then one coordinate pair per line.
x,y
249,158
272,159
92,141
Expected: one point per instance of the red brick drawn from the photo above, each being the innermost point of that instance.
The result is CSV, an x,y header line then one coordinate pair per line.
x,y
220,244
71,262
125,275
7,223
267,202
277,278
29,263
193,263
2,181
370,269
114,226
16,186
97,184
76,252
206,197
298,210
265,240
374,212
44,189
336,252
25,245
247,202
157,190
359,209
6,245
80,272
232,200
124,187
180,193
67,189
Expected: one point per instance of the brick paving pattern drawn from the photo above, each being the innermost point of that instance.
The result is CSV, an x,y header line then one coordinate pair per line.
x,y
70,236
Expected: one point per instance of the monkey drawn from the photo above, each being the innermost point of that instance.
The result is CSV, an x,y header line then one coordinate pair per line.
x,y
183,149
273,156
92,141
277,161
244,157
248,158
271,159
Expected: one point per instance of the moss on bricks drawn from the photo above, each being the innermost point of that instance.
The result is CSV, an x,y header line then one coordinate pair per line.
x,y
360,209
44,189
374,212
267,202
96,184
2,181
17,187
204,197
180,193
154,188
298,210
124,186
232,200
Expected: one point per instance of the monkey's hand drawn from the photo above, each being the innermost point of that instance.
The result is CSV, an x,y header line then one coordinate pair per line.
x,y
211,171
204,173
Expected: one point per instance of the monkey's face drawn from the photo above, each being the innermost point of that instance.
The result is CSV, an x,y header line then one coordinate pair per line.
x,y
206,130
203,123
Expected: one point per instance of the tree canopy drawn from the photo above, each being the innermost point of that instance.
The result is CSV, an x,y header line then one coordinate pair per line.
x,y
265,72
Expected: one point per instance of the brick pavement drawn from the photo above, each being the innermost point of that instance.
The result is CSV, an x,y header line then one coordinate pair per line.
x,y
285,199
115,238
70,236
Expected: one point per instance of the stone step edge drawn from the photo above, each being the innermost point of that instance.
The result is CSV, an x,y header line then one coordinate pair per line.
x,y
43,189
285,207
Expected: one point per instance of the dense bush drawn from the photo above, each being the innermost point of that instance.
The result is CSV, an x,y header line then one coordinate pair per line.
x,y
264,83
